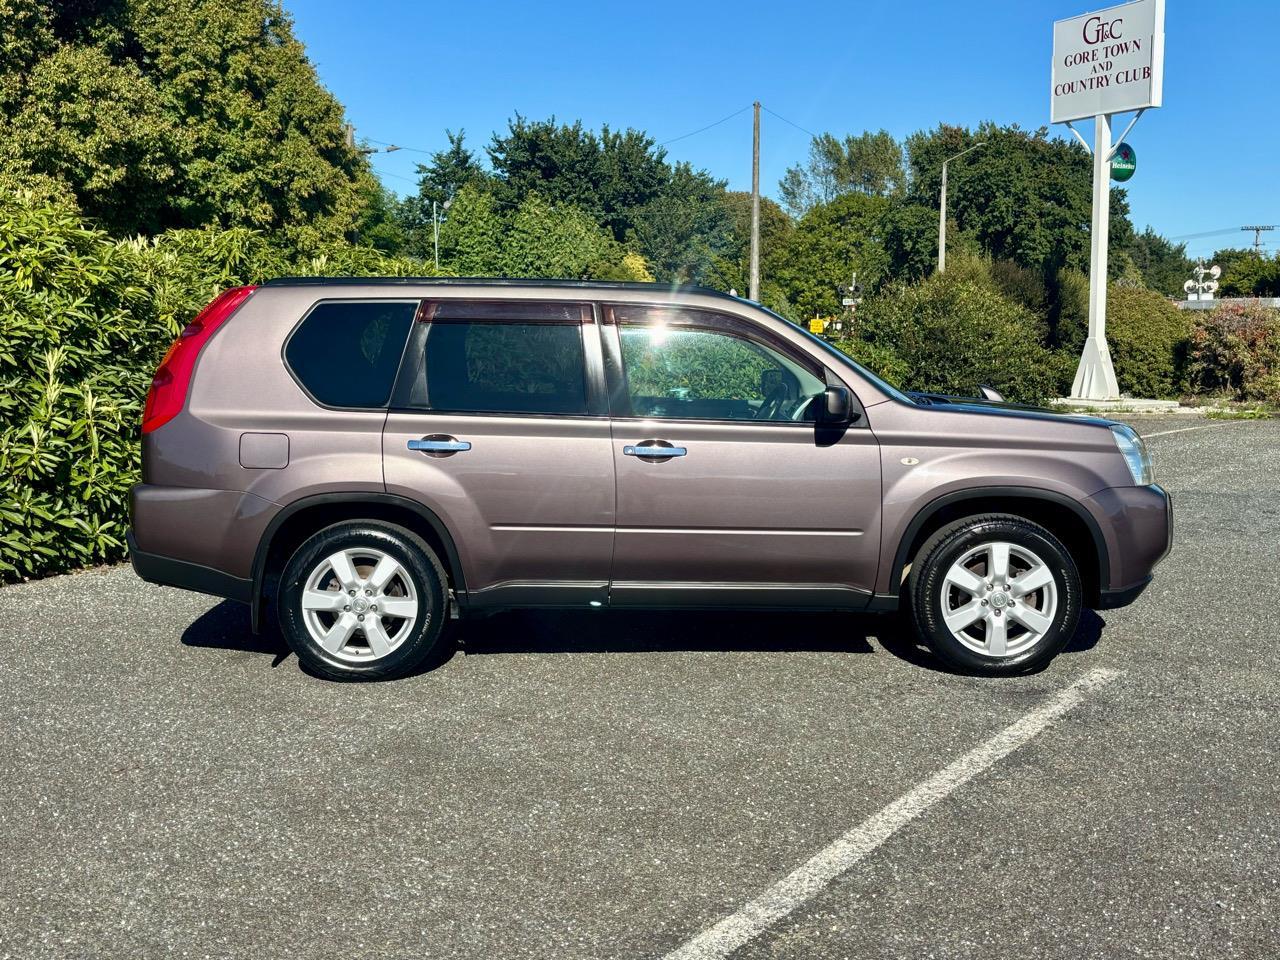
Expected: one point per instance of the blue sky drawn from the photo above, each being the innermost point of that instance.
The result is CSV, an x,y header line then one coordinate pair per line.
x,y
1208,160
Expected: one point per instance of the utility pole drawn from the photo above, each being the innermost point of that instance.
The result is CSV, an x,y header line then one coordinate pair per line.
x,y
942,208
754,291
1257,236
367,151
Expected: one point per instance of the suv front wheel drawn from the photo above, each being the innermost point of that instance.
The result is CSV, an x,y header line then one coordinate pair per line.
x,y
995,594
363,600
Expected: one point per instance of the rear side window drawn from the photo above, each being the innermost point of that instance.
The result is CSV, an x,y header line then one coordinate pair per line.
x,y
505,367
346,352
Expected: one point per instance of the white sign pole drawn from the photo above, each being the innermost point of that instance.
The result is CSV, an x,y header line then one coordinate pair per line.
x,y
1096,377
1106,62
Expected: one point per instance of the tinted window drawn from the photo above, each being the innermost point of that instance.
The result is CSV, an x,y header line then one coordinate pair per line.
x,y
346,353
684,372
479,367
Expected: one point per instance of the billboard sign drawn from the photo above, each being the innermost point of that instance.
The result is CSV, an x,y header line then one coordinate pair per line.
x,y
1109,61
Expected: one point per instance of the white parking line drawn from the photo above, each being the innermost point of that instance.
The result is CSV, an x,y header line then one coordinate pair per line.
x,y
806,882
1207,426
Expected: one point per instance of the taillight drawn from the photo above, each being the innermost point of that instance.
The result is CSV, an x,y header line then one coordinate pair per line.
x,y
169,386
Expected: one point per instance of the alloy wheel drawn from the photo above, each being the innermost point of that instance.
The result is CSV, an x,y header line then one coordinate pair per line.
x,y
999,599
359,604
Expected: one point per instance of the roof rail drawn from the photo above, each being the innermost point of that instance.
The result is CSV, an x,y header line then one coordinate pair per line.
x,y
498,282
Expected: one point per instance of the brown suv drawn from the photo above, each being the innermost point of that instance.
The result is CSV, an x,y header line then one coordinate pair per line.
x,y
368,457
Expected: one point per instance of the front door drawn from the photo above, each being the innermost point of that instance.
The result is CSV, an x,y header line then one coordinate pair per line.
x,y
499,427
729,492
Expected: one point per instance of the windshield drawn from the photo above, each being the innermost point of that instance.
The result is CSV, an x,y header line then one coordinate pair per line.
x,y
887,388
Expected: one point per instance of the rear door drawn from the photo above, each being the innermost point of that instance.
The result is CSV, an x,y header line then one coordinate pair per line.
x,y
728,489
499,426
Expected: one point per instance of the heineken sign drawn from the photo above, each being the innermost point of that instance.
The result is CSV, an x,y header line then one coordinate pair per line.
x,y
1123,163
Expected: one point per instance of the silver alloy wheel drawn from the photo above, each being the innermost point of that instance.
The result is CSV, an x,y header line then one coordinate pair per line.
x,y
999,599
359,604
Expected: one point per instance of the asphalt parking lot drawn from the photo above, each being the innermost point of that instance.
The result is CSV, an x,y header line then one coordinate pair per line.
x,y
596,786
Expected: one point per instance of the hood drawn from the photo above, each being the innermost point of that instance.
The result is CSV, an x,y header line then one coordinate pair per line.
x,y
999,408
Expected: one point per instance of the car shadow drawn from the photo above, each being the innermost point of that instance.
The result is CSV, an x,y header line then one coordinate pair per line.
x,y
647,631
225,626
900,639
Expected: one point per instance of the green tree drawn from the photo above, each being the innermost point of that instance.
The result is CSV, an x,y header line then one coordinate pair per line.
x,y
672,215
732,269
936,335
562,242
1024,197
682,231
911,240
1246,273
438,182
158,114
102,130
828,245
1163,264
869,163
471,237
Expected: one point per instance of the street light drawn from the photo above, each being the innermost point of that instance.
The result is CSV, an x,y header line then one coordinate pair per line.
x,y
390,148
942,210
435,220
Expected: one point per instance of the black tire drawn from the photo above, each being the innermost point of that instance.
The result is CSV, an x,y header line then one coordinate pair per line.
x,y
951,543
416,559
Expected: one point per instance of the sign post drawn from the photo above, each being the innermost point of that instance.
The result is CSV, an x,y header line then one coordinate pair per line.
x,y
1107,62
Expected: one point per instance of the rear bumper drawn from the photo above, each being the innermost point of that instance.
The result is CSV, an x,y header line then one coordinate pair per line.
x,y
169,572
1111,599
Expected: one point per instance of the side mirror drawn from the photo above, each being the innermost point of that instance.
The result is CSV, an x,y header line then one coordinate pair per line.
x,y
837,405
990,393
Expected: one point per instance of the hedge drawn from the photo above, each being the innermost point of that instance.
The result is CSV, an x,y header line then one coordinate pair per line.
x,y
1235,354
1147,333
84,320
955,331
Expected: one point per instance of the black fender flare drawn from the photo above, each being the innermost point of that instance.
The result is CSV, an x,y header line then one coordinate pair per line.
x,y
929,510
427,515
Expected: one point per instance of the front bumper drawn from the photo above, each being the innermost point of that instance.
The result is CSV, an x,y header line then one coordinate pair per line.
x,y
169,572
1138,529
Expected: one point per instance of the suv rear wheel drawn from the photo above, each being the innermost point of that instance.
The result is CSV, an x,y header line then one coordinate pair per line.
x,y
995,594
363,600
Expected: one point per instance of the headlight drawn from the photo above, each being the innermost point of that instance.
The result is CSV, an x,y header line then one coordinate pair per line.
x,y
1135,454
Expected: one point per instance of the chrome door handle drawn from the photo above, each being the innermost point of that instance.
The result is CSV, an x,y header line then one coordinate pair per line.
x,y
435,445
653,451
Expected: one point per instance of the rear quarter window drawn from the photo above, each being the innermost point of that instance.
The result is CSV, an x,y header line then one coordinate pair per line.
x,y
346,353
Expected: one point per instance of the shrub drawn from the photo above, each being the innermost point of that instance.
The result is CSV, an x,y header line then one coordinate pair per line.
x,y
952,332
1148,336
1235,352
84,320
78,343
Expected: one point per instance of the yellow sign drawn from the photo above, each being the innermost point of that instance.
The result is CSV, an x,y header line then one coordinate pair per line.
x,y
817,325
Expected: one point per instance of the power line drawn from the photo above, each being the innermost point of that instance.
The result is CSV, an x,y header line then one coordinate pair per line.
x,y
400,145
694,133
384,173
1207,233
683,136
792,122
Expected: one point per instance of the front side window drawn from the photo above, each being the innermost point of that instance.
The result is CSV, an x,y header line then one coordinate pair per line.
x,y
346,352
681,368
505,366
